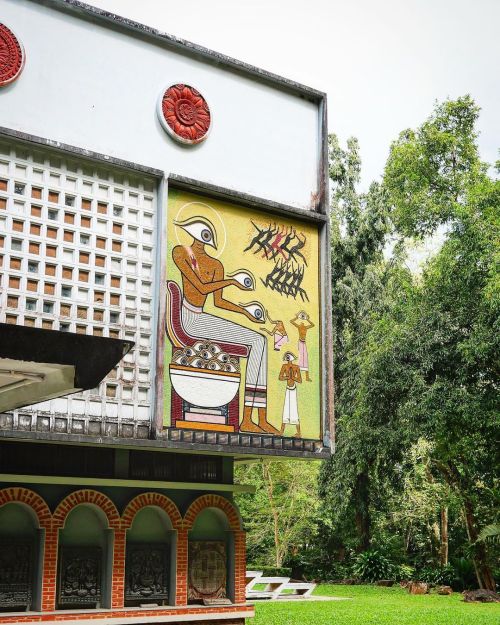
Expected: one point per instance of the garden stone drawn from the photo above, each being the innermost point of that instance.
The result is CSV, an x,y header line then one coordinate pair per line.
x,y
444,590
418,588
481,595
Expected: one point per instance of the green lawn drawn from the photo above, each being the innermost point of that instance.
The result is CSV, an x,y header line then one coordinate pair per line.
x,y
372,605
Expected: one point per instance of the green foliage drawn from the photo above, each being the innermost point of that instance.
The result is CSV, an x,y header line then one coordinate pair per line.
x,y
371,566
403,572
490,532
443,575
280,517
465,575
430,170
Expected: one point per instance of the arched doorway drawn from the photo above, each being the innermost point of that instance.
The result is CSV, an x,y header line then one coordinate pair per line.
x,y
21,555
85,559
150,559
211,557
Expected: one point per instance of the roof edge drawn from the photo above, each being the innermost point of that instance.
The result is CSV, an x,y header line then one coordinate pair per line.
x,y
183,46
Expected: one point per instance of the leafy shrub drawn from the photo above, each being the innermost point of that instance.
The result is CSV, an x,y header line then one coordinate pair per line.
x,y
371,566
465,575
442,575
325,572
403,572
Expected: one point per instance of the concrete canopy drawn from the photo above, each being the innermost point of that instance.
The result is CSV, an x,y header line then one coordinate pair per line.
x,y
37,365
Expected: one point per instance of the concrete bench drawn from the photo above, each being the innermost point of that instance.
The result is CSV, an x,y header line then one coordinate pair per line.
x,y
272,587
250,576
275,587
300,590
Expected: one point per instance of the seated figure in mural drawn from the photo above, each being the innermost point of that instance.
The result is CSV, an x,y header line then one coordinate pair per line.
x,y
201,275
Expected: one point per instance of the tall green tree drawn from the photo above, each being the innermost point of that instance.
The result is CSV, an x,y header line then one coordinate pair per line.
x,y
280,516
360,226
447,338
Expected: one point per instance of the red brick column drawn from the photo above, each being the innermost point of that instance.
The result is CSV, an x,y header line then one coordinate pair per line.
x,y
182,567
118,574
240,564
49,579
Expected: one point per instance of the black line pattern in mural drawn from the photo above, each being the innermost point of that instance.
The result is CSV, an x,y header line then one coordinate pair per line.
x,y
282,245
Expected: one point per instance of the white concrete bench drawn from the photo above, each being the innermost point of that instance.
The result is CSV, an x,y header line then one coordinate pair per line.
x,y
250,576
273,586
299,590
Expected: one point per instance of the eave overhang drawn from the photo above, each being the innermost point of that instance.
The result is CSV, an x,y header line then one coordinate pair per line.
x,y
37,365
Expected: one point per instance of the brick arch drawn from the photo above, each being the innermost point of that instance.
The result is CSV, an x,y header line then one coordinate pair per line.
x,y
28,498
151,499
213,501
86,496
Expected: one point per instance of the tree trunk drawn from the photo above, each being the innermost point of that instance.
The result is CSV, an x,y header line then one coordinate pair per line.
x,y
443,551
483,571
266,474
362,503
484,574
435,538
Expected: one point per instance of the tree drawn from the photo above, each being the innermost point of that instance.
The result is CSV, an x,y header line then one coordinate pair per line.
x,y
280,517
447,340
360,277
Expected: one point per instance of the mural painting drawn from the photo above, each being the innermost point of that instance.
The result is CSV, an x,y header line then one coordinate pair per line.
x,y
242,317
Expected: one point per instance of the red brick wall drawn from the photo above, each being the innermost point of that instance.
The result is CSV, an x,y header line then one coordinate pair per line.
x,y
52,523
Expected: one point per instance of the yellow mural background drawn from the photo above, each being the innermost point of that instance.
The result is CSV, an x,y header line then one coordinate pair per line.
x,y
234,233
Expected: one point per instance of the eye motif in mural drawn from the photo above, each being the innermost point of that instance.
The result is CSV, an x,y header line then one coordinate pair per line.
x,y
227,322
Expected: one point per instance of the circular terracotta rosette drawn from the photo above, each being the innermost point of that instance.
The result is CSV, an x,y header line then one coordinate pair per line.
x,y
12,56
184,113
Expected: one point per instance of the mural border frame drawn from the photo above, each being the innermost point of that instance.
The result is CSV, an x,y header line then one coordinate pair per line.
x,y
322,222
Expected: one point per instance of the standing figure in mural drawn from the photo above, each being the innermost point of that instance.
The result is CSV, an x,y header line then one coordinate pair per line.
x,y
303,324
291,373
278,332
201,275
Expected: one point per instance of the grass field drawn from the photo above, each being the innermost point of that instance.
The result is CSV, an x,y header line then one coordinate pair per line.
x,y
372,605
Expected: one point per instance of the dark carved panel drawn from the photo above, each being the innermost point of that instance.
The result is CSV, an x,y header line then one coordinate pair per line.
x,y
80,577
207,570
16,570
146,572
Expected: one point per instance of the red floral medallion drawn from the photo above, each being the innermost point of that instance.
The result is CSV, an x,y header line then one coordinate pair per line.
x,y
185,114
11,56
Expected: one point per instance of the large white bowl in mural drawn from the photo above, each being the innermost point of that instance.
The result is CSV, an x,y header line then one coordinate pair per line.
x,y
204,388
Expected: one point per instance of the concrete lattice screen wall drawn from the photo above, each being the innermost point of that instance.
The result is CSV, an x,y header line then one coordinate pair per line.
x,y
53,523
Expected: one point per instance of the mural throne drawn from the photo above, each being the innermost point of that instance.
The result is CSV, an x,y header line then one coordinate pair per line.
x,y
205,375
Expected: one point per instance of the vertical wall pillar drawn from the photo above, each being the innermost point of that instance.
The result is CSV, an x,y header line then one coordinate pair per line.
x,y
49,578
239,566
118,573
182,567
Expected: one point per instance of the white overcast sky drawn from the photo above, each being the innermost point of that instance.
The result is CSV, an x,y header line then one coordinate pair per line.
x,y
383,63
